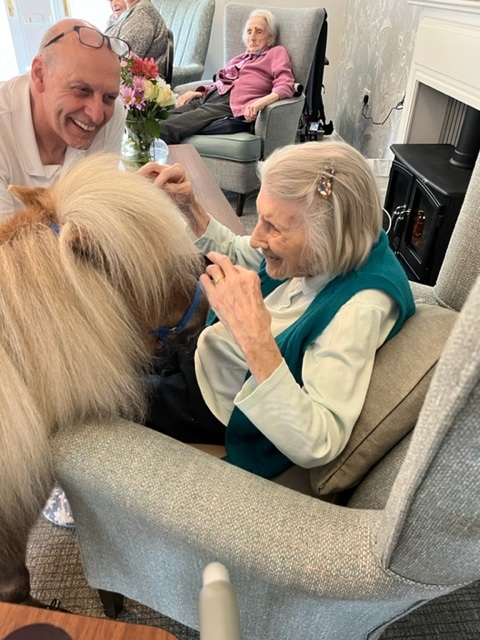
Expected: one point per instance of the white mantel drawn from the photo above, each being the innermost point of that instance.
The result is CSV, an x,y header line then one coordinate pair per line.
x,y
452,5
446,63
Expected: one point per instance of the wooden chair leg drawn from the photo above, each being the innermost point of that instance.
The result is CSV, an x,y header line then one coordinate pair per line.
x,y
112,603
240,204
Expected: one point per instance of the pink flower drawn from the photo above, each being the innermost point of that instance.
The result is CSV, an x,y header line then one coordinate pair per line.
x,y
128,96
138,83
145,95
150,68
137,66
146,68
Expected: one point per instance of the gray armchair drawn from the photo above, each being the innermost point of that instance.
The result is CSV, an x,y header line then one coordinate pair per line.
x,y
191,23
233,158
152,512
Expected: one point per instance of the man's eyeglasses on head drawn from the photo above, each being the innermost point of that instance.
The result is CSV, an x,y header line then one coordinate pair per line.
x,y
93,38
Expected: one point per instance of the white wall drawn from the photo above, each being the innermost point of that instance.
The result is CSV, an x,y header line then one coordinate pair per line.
x,y
28,35
336,18
8,62
94,11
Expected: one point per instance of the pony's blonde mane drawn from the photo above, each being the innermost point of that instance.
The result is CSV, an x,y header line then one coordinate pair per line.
x,y
75,306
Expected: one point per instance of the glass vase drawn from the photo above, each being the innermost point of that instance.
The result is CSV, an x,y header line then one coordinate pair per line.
x,y
138,146
161,151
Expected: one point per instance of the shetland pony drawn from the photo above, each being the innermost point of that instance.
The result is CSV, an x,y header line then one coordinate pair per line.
x,y
87,268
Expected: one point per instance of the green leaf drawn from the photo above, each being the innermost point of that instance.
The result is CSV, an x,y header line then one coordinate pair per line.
x,y
156,129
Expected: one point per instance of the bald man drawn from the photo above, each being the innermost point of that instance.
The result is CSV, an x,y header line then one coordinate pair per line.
x,y
66,107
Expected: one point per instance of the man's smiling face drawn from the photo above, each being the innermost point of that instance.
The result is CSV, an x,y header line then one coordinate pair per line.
x,y
79,92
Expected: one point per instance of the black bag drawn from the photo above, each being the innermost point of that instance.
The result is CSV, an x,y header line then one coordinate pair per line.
x,y
313,120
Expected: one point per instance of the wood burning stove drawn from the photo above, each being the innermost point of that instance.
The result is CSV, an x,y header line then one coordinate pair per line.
x,y
424,196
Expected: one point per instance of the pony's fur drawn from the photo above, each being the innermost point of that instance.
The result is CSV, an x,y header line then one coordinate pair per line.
x,y
76,303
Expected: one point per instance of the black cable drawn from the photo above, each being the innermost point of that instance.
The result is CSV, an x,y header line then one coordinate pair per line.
x,y
397,107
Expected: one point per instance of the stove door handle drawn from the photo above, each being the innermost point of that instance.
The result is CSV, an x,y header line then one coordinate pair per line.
x,y
399,217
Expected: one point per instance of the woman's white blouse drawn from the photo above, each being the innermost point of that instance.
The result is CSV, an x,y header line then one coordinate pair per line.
x,y
310,424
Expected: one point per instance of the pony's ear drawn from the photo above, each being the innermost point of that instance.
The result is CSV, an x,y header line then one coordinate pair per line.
x,y
37,197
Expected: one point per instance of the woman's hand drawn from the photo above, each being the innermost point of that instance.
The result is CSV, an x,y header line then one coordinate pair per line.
x,y
253,109
234,294
173,180
187,97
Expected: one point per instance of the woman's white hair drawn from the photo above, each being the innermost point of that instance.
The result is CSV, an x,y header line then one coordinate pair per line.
x,y
341,228
270,21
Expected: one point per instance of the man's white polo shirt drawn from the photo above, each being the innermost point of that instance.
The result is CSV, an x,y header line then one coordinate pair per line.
x,y
20,162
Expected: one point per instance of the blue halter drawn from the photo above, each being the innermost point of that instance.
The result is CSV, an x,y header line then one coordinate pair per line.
x,y
163,333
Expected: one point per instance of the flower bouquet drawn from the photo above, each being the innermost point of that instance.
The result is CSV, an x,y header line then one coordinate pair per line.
x,y
147,98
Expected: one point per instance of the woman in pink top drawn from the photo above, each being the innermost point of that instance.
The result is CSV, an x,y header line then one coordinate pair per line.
x,y
247,84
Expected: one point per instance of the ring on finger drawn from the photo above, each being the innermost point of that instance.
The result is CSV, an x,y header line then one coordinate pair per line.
x,y
218,278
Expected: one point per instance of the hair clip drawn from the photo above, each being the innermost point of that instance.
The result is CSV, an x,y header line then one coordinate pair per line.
x,y
325,184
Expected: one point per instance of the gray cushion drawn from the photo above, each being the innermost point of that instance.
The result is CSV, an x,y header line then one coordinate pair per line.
x,y
237,147
400,379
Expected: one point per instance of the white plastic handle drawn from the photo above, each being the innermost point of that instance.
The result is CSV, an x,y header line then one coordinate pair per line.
x,y
218,605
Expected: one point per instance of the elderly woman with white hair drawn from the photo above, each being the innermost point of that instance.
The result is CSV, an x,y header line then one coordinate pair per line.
x,y
145,30
246,85
301,306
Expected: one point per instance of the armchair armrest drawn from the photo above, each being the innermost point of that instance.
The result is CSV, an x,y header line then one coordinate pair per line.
x,y
186,74
151,513
277,124
426,293
162,490
191,86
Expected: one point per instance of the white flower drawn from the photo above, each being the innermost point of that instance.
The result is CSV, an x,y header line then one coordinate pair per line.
x,y
151,91
165,96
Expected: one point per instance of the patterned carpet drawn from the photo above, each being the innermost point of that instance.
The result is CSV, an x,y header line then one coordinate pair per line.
x,y
56,572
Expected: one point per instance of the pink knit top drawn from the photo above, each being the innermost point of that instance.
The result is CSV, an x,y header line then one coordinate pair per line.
x,y
250,76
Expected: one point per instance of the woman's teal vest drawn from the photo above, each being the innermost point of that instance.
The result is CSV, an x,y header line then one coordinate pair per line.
x,y
246,446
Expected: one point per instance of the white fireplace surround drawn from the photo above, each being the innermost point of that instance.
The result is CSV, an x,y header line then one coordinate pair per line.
x,y
446,66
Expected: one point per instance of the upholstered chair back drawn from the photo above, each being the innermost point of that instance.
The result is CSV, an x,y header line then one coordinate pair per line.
x,y
433,511
403,371
191,24
298,40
